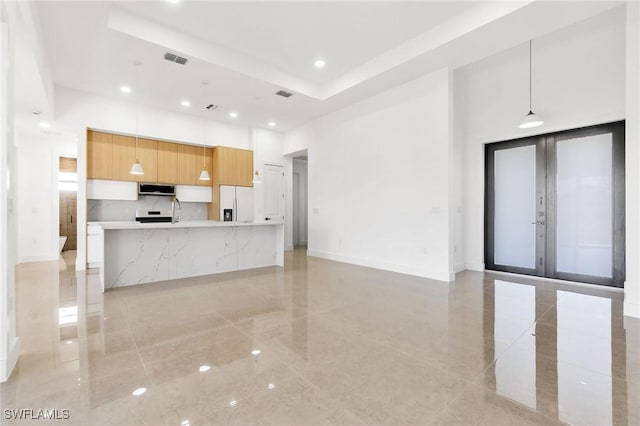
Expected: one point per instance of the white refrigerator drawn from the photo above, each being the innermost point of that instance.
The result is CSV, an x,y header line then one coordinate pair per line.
x,y
236,203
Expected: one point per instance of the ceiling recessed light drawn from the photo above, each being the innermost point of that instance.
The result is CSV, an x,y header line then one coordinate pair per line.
x,y
45,125
271,386
232,403
204,368
272,124
320,63
139,391
233,114
256,352
185,103
125,89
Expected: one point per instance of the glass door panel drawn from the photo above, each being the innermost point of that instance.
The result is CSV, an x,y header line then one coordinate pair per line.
x,y
514,208
584,208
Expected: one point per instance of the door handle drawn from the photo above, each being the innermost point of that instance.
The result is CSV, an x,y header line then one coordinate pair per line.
x,y
540,222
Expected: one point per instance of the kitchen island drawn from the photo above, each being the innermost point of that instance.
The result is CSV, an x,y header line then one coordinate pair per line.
x,y
137,253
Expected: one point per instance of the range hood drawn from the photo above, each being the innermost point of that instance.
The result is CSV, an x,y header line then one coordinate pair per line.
x,y
156,189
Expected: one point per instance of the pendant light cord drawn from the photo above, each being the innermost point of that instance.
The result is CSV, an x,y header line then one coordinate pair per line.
x,y
137,88
530,78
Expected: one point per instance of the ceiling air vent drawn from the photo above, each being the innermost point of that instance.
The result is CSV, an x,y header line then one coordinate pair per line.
x,y
211,107
284,94
175,58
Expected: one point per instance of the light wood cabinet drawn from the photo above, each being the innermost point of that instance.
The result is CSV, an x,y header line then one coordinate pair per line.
x,y
188,171
99,155
148,157
244,170
124,155
233,166
167,162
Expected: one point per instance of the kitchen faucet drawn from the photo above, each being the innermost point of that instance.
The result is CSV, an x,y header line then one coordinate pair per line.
x,y
175,217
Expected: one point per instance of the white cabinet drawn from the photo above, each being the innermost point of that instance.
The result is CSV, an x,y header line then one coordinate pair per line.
x,y
95,245
111,190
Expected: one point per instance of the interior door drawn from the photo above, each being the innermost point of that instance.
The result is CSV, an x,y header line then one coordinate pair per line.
x,y
274,195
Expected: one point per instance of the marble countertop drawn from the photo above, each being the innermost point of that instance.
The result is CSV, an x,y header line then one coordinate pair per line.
x,y
132,224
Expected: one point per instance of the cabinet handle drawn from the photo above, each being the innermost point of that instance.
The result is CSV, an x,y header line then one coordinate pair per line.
x,y
71,218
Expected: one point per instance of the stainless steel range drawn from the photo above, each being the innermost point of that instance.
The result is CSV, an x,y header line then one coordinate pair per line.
x,y
149,216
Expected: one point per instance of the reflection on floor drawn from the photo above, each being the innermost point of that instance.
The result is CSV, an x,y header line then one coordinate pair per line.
x,y
321,342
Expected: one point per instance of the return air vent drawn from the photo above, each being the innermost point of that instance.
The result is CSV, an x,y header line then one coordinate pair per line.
x,y
284,94
175,58
211,107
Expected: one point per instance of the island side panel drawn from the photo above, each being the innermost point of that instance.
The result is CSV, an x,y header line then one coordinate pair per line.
x,y
135,256
256,246
202,251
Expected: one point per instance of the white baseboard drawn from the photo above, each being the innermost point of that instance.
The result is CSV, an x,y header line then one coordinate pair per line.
x,y
459,267
93,265
418,271
8,363
288,248
631,309
474,266
31,259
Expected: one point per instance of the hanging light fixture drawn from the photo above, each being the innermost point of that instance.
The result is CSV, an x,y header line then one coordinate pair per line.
x,y
204,174
136,169
531,119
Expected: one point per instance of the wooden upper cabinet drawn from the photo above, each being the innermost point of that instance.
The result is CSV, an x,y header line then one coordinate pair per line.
x,y
188,170
148,157
233,166
124,155
244,170
208,162
99,155
167,162
224,165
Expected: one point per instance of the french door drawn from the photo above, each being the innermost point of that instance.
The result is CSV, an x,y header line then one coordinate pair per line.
x,y
554,205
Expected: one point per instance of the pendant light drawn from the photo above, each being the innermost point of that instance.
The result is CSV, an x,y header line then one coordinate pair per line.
x,y
204,174
531,119
136,169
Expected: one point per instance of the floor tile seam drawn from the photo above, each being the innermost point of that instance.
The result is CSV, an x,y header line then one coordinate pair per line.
x,y
428,363
599,373
325,395
450,402
194,334
519,405
511,345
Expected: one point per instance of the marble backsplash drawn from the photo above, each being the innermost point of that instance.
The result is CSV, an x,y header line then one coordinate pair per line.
x,y
117,210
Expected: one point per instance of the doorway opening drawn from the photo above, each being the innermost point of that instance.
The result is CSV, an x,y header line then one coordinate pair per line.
x,y
554,205
68,205
300,214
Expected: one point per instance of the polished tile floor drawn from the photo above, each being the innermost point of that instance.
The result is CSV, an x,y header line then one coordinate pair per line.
x,y
321,342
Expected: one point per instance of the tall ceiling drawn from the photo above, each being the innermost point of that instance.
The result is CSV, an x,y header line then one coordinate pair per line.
x,y
247,51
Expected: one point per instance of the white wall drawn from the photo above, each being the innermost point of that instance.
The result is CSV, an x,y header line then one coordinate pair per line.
x,y
578,80
632,155
76,110
378,180
267,149
38,202
9,341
